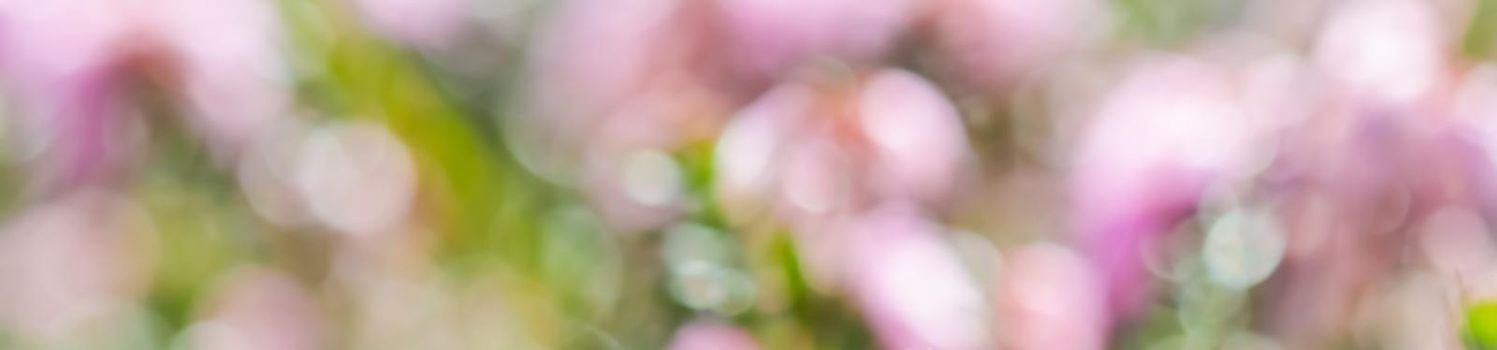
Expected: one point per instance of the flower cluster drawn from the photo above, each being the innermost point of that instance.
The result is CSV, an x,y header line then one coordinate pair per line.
x,y
745,174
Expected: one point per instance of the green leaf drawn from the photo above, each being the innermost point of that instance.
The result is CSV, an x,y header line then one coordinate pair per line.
x,y
1481,325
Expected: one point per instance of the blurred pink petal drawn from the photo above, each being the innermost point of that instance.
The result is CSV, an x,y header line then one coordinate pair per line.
x,y
607,75
74,63
356,179
768,37
635,189
1388,51
67,262
997,41
235,83
811,154
259,309
711,335
1157,142
748,155
911,285
919,139
1048,298
422,23
590,56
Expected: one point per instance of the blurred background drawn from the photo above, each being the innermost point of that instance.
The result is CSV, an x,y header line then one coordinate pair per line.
x,y
748,174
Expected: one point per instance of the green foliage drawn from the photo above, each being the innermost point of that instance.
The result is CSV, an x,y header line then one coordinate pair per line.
x,y
1481,325
1481,33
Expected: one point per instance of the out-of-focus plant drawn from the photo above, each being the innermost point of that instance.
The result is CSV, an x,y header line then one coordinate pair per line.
x,y
744,174
1479,325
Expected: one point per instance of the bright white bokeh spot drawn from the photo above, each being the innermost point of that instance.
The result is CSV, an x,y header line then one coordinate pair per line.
x,y
652,178
708,286
1388,49
1243,248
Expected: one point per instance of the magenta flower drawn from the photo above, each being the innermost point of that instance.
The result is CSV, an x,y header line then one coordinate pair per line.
x,y
72,65
1159,139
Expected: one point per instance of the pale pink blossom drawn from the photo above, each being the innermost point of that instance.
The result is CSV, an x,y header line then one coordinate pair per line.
x,y
1049,298
808,155
911,285
259,309
1163,136
993,42
421,23
70,262
1384,51
73,64
766,38
589,58
711,335
919,141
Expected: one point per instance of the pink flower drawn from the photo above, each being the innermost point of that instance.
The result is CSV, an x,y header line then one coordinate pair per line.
x,y
1048,298
811,154
259,309
918,139
1384,51
591,57
817,156
1158,140
421,23
711,335
911,286
72,64
69,263
618,89
997,41
765,38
